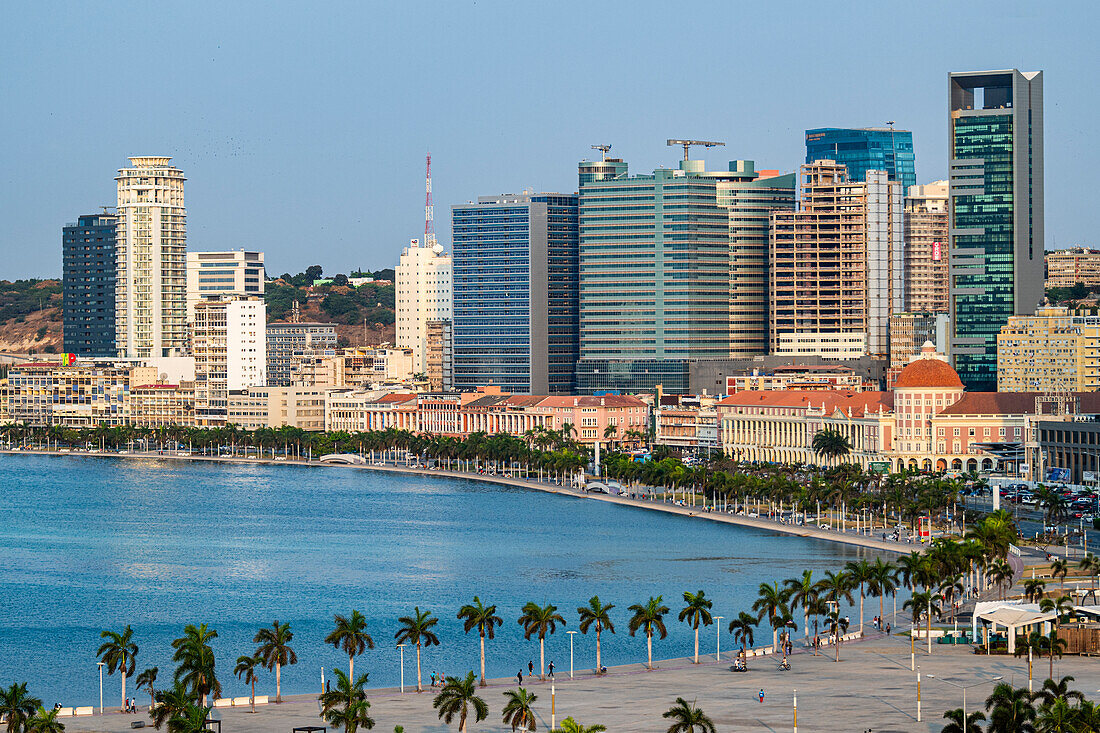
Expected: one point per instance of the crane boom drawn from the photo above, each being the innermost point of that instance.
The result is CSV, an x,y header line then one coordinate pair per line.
x,y
603,149
688,143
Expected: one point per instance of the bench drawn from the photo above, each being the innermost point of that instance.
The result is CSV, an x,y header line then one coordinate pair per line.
x,y
64,712
86,710
223,702
261,699
238,701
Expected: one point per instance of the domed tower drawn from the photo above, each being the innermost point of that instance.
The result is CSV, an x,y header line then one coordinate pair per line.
x,y
923,388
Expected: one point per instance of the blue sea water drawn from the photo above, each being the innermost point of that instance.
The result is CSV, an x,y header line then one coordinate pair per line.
x,y
92,543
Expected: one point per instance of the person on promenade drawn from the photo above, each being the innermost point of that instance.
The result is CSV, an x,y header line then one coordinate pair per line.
x,y
433,679
761,695
530,668
519,678
551,667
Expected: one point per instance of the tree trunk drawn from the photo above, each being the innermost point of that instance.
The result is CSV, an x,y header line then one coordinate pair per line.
x,y
482,657
123,689
929,630
649,647
253,700
696,644
542,657
351,668
599,669
861,609
278,682
419,688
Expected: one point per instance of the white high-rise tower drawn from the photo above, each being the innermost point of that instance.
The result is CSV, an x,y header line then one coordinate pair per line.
x,y
151,284
423,295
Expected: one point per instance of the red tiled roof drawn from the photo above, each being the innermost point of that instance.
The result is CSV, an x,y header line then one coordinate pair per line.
x,y
1015,403
928,373
859,403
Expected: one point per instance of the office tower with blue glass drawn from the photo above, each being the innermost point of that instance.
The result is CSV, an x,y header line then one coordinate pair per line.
x,y
515,323
995,200
863,149
88,285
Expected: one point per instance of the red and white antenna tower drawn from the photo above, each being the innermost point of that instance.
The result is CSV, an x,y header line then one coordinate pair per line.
x,y
429,213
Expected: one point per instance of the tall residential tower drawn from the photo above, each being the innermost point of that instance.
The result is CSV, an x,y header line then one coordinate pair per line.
x,y
995,123
151,284
423,297
88,286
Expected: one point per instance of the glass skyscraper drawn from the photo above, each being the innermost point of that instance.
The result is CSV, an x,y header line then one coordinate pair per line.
x,y
995,214
864,149
515,293
88,285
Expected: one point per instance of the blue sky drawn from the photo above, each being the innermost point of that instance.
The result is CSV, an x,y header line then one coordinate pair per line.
x,y
302,128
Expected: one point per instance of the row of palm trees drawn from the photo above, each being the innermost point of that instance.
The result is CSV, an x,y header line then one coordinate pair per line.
x,y
1055,708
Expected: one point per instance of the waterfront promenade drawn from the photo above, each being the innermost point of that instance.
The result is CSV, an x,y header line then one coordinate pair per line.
x,y
873,542
871,688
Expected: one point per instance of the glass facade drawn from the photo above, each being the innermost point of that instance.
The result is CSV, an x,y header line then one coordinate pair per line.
x,y
864,149
88,285
515,293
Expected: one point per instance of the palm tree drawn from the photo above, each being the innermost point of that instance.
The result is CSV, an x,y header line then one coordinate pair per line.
x,y
246,673
147,679
1034,589
924,603
456,698
837,626
275,652
17,707
771,603
118,655
170,704
195,658
696,611
485,620
571,726
1010,710
802,592
882,583
45,721
539,620
1058,569
1052,691
519,709
190,718
649,617
742,628
347,705
687,718
1090,563
861,573
596,614
417,630
830,444
1058,717
351,635
973,721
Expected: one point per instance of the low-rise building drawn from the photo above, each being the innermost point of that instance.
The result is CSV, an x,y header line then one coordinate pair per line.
x,y
276,407
376,365
79,393
1051,350
803,377
289,343
686,422
1067,267
162,405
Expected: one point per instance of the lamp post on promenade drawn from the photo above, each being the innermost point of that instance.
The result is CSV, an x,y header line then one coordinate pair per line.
x,y
571,633
553,707
964,688
401,648
795,729
918,695
100,665
718,638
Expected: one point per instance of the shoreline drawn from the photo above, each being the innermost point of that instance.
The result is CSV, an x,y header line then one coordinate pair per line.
x,y
761,523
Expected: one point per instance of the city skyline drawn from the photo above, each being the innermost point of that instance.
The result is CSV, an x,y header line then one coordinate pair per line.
x,y
247,131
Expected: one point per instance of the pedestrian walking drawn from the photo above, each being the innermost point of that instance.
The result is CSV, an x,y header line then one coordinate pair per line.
x,y
551,667
519,678
530,668
433,679
761,695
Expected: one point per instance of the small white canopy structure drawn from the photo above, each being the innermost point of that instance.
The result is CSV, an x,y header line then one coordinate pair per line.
x,y
1012,616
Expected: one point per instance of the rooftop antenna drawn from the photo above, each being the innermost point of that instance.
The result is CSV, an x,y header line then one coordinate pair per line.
x,y
603,149
688,143
429,213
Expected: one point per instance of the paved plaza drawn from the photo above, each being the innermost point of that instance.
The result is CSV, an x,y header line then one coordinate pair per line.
x,y
871,688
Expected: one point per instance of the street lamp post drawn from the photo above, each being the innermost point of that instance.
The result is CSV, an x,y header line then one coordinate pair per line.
x,y
964,688
571,633
553,707
401,648
718,638
100,665
918,694
795,729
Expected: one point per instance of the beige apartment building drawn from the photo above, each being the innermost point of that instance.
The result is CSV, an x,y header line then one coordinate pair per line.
x,y
836,265
1052,350
162,405
1067,267
276,407
926,260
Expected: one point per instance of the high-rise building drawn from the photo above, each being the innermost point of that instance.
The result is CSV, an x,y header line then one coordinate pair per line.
x,y
439,364
515,292
1067,267
996,212
151,278
865,149
289,344
220,275
1051,351
423,295
837,266
751,197
654,276
88,285
926,271
909,332
229,343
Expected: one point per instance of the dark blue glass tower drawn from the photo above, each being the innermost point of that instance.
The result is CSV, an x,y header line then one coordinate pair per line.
x,y
864,149
88,285
515,293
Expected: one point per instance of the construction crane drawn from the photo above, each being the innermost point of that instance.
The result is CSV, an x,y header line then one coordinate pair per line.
x,y
688,143
603,149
